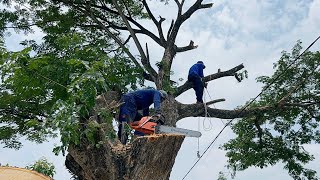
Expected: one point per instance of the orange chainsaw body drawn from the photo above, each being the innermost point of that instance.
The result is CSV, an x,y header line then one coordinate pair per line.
x,y
144,125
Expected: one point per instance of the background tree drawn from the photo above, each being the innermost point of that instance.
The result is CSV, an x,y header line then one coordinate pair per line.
x,y
84,54
43,166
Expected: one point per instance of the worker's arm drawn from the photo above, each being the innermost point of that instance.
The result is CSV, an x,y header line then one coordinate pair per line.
x,y
146,112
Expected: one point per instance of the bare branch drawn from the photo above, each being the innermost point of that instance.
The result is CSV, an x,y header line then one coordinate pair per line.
x,y
144,59
181,18
162,40
127,40
182,2
186,48
197,110
173,32
203,6
215,101
177,2
187,85
158,24
179,7
170,29
149,12
110,34
142,29
147,51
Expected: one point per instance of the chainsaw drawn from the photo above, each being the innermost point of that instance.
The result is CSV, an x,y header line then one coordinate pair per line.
x,y
148,125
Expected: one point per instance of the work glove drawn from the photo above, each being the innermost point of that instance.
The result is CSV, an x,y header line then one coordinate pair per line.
x,y
159,119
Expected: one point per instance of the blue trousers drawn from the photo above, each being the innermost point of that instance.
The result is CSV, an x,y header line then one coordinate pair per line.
x,y
197,86
128,113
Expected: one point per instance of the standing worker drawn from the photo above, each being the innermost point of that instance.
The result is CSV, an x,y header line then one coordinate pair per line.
x,y
139,100
195,76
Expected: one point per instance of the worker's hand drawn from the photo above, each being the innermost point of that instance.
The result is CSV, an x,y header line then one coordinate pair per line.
x,y
156,117
159,119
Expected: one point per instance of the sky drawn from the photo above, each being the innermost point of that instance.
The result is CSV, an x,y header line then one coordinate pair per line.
x,y
252,32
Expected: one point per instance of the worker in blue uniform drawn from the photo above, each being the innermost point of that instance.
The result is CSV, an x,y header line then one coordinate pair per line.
x,y
195,76
139,100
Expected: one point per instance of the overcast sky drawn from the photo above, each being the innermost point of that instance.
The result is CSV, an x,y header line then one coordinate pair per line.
x,y
252,32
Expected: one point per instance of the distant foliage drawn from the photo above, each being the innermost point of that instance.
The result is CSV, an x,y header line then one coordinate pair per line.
x,y
43,166
53,88
264,139
222,176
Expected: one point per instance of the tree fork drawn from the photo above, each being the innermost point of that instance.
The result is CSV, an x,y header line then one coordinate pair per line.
x,y
150,157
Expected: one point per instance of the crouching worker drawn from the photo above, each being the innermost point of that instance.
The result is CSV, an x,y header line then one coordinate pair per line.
x,y
139,100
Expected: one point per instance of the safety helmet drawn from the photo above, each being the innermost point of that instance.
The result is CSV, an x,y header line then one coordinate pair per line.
x,y
164,94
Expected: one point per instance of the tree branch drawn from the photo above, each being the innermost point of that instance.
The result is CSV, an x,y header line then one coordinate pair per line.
x,y
170,29
109,33
144,59
181,18
158,24
179,7
215,101
186,48
142,29
172,33
197,110
187,85
204,6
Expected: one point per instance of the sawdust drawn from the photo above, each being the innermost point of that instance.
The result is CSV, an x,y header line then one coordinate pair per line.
x,y
120,148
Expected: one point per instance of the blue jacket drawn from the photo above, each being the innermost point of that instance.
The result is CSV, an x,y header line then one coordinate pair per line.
x,y
144,98
197,69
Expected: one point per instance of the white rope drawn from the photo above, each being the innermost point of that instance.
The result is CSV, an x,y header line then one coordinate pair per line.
x,y
198,152
206,115
213,106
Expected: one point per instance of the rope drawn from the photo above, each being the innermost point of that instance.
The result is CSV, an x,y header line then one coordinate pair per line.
x,y
213,106
206,115
266,87
198,152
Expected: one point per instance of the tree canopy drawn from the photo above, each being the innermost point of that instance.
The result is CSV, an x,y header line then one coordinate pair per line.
x,y
53,85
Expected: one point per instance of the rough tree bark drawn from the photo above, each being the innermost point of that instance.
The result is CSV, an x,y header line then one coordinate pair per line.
x,y
150,157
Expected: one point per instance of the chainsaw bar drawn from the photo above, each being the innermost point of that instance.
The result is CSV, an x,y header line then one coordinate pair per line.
x,y
174,130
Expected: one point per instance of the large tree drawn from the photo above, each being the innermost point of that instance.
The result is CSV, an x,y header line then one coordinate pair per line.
x,y
72,82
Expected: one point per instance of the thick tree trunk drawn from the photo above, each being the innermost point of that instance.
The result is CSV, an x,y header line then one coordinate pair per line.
x,y
149,157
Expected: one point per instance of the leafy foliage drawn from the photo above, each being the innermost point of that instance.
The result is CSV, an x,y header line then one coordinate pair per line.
x,y
43,166
280,133
53,85
57,85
